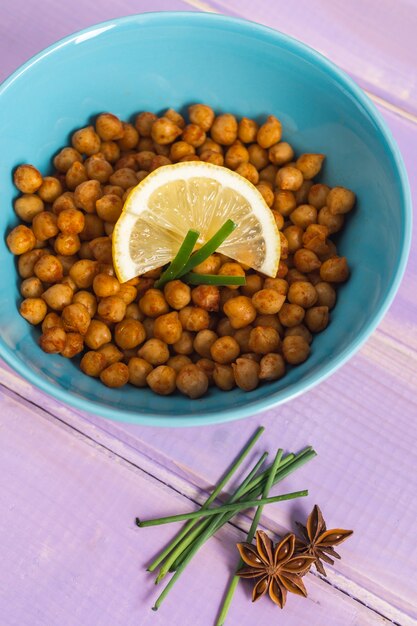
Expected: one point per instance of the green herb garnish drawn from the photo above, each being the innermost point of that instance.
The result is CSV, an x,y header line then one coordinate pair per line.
x,y
213,279
209,247
180,260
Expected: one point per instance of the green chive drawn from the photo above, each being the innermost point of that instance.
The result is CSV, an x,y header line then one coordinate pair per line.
x,y
209,247
211,498
180,260
212,279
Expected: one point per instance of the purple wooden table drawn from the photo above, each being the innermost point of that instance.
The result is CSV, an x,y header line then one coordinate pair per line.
x,y
71,484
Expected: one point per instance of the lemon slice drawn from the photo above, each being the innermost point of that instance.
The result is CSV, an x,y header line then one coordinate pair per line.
x,y
173,199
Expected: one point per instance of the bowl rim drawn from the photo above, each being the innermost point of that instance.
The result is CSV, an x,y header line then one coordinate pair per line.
x,y
203,417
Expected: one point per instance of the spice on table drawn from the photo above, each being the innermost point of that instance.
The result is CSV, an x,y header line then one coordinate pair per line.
x,y
279,569
318,541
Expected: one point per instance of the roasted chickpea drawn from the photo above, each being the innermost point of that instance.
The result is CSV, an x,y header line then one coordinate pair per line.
x,y
27,261
224,349
210,266
248,171
31,287
177,294
164,131
44,226
75,318
224,327
71,221
83,273
335,270
104,285
304,215
194,135
264,339
301,194
317,318
326,294
301,330
168,328
253,284
144,159
20,240
75,176
67,245
289,178
88,300
242,337
203,341
50,189
295,349
223,377
294,275
192,381
115,375
50,321
57,297
178,361
53,340
291,315
138,371
49,269
175,117
236,155
279,284
153,303
159,161
258,156
33,310
129,334
74,344
310,164
340,200
148,324
133,312
224,129
65,158
93,363
207,366
210,146
271,367
130,137
247,130
294,237
28,206
246,373
240,311
154,351
64,202
270,132
302,293
284,202
111,309
268,301
201,115
334,223
98,168
109,127
144,122
268,321
125,177
27,178
209,157
110,151
268,174
128,293
281,153
162,380
306,260
86,141
268,195
86,195
180,149
194,318
315,238
317,196
111,352
207,297
184,345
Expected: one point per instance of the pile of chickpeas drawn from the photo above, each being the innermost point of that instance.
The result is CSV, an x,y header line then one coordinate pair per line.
x,y
181,337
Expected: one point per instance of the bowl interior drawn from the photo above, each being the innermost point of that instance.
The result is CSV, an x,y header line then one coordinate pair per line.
x,y
151,62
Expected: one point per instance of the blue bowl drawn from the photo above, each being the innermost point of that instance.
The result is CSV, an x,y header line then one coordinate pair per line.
x,y
150,62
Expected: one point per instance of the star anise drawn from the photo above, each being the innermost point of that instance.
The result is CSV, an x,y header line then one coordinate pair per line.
x,y
277,568
318,541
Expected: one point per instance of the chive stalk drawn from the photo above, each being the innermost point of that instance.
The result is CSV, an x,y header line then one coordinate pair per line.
x,y
209,247
180,260
192,278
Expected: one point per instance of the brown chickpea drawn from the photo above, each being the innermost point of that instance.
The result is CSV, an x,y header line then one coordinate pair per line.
x,y
302,293
335,270
253,284
109,228
153,303
144,159
67,262
194,318
33,310
57,297
268,195
104,285
67,280
168,328
111,309
240,311
224,349
70,221
27,178
28,206
258,156
340,200
86,195
98,169
20,240
291,315
236,155
304,215
133,312
207,366
50,321
175,117
44,226
115,375
111,352
317,196
129,334
124,177
282,269
109,127
306,260
75,318
110,151
65,158
248,171
202,115
206,296
162,380
210,146
85,251
317,318
178,361
67,245
177,294
224,129
194,135
284,246
180,149
300,330
50,189
31,287
271,367
247,130
295,349
246,373
279,284
314,277
154,351
208,156
310,164
223,377
284,202
334,223
268,321
49,269
279,219
315,238
86,141
53,340
268,301
294,237
268,174
192,381
27,261
203,341
164,131
138,371
128,293
93,363
326,294
210,266
148,324
281,153
144,122
301,194
289,178
184,345
74,344
264,339
224,327
101,248
294,275
270,132
83,273
130,137
86,299
75,176
65,201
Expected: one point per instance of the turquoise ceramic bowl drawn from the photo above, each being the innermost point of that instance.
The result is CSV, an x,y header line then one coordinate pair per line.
x,y
150,62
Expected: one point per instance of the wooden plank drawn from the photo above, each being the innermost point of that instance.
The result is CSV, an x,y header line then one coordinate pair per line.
x,y
374,41
72,555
